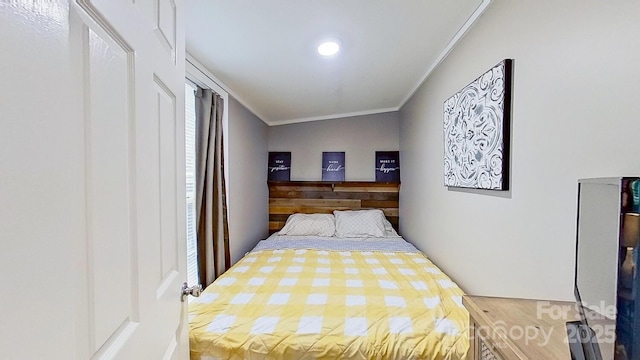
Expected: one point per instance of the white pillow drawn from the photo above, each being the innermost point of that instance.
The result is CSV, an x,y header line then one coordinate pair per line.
x,y
359,223
389,230
309,225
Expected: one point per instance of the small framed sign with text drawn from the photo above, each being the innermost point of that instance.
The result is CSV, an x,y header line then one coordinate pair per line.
x,y
333,166
279,166
387,166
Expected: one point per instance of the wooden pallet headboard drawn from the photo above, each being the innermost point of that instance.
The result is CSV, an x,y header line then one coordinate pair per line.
x,y
286,198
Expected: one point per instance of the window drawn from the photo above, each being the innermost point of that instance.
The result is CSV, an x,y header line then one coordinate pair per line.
x,y
190,154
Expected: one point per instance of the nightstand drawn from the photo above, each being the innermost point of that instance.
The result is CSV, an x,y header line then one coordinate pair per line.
x,y
515,329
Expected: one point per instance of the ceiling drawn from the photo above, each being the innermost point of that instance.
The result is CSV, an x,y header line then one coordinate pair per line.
x,y
264,51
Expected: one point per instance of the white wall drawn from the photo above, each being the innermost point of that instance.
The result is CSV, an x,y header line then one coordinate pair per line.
x,y
42,219
248,192
575,115
359,137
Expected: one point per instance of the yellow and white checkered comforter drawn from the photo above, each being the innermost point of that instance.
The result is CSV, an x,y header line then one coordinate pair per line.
x,y
298,301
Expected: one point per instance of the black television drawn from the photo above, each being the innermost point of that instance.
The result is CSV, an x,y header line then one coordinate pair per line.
x,y
605,285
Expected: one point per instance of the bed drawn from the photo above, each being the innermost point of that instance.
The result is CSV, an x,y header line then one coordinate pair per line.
x,y
302,294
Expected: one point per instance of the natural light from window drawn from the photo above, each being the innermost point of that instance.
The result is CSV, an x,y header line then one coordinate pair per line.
x,y
190,154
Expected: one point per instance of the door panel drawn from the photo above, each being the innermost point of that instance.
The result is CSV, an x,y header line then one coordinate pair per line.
x,y
165,25
110,204
166,111
135,186
93,180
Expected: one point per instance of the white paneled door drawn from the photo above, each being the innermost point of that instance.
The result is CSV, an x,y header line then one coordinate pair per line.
x,y
92,179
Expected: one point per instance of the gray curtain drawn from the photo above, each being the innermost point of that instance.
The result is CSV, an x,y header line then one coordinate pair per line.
x,y
211,205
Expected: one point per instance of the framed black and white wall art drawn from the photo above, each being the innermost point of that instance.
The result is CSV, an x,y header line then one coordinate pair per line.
x,y
387,166
333,166
476,132
279,166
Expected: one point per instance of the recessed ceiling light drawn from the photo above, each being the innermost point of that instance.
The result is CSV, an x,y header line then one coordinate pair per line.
x,y
328,48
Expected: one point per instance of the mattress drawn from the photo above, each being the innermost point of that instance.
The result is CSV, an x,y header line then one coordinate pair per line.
x,y
328,298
